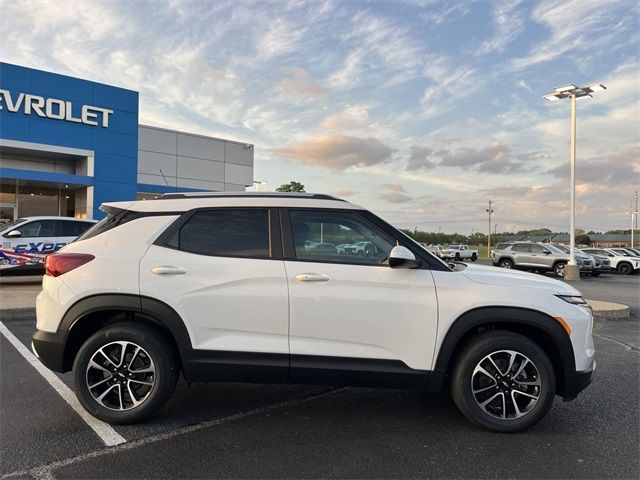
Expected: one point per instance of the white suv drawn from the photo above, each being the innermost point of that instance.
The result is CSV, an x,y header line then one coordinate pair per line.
x,y
223,287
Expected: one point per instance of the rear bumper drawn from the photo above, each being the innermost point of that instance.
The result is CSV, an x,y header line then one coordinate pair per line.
x,y
49,348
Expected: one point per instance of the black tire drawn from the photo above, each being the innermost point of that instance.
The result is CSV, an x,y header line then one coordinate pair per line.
x,y
625,268
595,274
457,257
505,263
157,354
558,269
474,257
494,343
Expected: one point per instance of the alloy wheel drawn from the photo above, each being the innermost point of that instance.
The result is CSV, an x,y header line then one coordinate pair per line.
x,y
120,375
506,384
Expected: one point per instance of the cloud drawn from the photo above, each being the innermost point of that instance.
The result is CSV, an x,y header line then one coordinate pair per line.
x,y
523,84
280,37
496,158
300,84
394,187
395,197
613,170
448,85
353,117
433,16
342,192
394,193
337,152
419,158
577,26
509,24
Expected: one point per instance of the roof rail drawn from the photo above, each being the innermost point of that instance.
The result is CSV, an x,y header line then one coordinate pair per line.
x,y
311,196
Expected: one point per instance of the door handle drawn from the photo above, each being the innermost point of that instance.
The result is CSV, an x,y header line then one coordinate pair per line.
x,y
168,270
312,277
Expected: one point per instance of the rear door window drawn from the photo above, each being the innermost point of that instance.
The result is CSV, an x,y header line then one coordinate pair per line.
x,y
70,228
227,233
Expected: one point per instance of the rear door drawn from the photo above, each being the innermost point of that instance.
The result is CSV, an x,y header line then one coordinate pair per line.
x,y
355,320
221,270
522,254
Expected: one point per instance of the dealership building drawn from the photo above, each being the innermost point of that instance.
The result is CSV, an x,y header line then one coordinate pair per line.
x,y
67,145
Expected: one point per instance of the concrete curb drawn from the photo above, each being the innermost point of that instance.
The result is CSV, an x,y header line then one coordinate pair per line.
x,y
609,310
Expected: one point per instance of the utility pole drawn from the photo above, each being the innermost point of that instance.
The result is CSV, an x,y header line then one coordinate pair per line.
x,y
489,211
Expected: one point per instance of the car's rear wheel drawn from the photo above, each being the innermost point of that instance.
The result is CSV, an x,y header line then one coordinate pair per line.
x,y
474,257
559,269
625,268
503,381
124,373
505,263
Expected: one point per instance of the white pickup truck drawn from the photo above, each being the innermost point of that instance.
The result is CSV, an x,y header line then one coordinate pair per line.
x,y
459,252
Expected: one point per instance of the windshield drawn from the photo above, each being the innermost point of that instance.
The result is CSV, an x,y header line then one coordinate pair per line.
x,y
9,226
555,249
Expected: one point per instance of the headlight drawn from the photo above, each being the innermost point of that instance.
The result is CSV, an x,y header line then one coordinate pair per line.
x,y
573,299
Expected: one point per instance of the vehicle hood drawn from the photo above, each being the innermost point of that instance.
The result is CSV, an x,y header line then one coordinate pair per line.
x,y
514,278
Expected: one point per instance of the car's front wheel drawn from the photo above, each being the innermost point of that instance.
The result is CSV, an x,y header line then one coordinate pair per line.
x,y
124,373
503,381
625,268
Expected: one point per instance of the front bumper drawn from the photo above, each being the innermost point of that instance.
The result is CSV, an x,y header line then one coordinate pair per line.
x,y
49,348
576,383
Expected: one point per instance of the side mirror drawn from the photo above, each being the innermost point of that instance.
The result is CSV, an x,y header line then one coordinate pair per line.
x,y
14,234
402,257
546,252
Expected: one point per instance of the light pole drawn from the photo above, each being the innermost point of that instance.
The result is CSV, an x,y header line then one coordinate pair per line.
x,y
634,215
489,211
572,271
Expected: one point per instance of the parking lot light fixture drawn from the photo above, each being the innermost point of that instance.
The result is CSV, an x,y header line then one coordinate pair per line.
x,y
572,272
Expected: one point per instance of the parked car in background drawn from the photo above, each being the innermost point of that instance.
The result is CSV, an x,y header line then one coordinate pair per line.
x,y
635,251
539,257
625,252
601,264
363,248
459,252
623,264
27,241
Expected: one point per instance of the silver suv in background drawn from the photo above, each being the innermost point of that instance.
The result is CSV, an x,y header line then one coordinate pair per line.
x,y
539,257
601,263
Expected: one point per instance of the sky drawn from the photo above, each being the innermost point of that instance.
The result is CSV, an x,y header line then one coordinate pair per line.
x,y
421,111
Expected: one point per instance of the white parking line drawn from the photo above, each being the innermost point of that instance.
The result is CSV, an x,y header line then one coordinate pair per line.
x,y
106,433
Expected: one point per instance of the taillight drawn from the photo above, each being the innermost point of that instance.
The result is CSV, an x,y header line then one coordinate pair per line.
x,y
58,264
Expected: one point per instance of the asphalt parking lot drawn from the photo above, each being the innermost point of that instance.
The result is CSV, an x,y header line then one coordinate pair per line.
x,y
265,431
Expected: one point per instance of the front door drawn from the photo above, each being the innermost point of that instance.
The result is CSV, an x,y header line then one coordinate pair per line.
x,y
353,319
